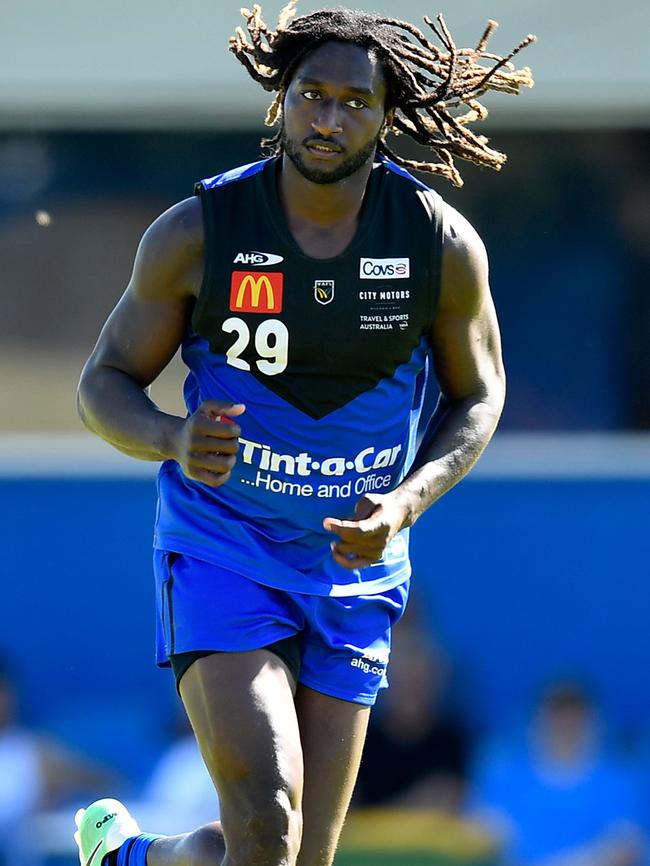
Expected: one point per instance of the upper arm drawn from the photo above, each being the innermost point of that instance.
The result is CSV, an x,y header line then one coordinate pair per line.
x,y
146,327
464,336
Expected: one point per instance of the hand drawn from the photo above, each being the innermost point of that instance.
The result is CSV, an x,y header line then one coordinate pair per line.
x,y
207,442
362,540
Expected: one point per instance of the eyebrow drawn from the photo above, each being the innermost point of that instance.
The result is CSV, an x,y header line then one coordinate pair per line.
x,y
365,91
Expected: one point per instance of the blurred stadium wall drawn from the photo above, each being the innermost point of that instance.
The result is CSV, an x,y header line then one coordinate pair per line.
x,y
165,64
108,113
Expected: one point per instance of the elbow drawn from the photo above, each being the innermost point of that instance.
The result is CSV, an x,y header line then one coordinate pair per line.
x,y
499,393
81,412
496,396
83,389
492,397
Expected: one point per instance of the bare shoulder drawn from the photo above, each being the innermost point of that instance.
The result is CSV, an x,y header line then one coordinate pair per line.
x,y
169,261
464,264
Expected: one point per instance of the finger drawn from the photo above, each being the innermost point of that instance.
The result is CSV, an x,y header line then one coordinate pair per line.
x,y
211,462
354,530
370,551
212,479
216,429
215,445
344,528
214,409
350,562
366,506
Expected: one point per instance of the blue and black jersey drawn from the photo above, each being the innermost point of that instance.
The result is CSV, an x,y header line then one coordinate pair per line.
x,y
329,356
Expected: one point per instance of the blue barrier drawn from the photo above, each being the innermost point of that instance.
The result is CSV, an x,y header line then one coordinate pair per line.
x,y
524,579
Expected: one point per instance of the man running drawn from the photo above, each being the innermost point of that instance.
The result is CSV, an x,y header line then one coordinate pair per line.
x,y
307,291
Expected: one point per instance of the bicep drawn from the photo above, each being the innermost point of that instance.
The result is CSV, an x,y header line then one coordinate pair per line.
x,y
146,327
465,341
141,336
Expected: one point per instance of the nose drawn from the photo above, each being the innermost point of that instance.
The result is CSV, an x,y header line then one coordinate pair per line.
x,y
327,120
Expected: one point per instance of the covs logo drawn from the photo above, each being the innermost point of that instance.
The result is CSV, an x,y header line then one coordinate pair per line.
x,y
256,259
256,292
384,269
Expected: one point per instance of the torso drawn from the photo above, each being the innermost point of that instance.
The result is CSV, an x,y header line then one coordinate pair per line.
x,y
328,354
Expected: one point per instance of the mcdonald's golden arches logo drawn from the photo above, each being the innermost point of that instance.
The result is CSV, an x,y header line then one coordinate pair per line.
x,y
256,292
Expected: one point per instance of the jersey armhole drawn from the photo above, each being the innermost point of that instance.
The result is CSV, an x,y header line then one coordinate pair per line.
x,y
207,199
435,269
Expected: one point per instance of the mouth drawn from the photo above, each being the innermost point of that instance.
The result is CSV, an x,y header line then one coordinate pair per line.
x,y
323,149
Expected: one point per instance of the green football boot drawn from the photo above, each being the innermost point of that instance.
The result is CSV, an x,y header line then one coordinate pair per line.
x,y
102,828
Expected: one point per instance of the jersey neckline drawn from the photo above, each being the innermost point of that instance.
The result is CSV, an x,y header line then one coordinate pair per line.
x,y
274,208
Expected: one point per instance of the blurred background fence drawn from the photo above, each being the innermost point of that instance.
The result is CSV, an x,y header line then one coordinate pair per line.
x,y
534,571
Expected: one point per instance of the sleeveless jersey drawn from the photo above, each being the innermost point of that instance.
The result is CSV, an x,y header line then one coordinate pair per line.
x,y
330,358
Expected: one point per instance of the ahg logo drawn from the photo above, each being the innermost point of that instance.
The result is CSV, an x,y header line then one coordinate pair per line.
x,y
256,259
256,292
384,269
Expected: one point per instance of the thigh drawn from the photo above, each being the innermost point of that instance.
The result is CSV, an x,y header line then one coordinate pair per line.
x,y
202,606
242,710
333,732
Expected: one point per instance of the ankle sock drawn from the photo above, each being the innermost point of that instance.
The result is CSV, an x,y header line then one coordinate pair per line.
x,y
132,852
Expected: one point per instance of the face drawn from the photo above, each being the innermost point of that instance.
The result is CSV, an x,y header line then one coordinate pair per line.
x,y
334,111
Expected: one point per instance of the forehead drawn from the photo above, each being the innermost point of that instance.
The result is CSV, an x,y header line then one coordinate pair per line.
x,y
342,64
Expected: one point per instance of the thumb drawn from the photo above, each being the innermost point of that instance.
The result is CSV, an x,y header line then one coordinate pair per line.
x,y
215,410
366,507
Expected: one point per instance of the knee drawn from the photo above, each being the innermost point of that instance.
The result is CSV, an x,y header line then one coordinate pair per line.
x,y
202,847
268,833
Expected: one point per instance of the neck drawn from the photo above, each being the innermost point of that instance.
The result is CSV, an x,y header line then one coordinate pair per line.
x,y
322,205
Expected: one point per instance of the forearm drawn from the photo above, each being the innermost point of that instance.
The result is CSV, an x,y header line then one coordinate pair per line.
x,y
112,405
455,438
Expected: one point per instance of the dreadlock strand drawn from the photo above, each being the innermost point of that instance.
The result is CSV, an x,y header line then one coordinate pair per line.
x,y
286,14
446,168
477,111
451,45
414,31
485,38
274,111
258,29
503,61
439,33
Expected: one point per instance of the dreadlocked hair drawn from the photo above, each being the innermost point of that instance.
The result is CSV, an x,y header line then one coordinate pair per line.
x,y
434,90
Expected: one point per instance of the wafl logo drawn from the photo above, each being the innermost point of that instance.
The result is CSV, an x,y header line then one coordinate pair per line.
x,y
324,291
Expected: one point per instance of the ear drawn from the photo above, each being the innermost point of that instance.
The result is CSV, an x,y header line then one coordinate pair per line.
x,y
388,121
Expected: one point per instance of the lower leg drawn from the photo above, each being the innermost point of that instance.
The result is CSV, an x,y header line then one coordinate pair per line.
x,y
331,767
202,847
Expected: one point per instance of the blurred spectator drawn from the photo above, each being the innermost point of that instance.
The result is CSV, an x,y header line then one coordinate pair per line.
x,y
415,753
36,773
562,799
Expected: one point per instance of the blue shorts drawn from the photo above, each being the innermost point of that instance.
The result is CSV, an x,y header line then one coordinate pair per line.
x,y
344,642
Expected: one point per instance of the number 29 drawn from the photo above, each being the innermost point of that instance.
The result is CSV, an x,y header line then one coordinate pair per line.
x,y
271,340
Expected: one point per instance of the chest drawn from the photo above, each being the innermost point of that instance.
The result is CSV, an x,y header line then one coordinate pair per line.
x,y
271,310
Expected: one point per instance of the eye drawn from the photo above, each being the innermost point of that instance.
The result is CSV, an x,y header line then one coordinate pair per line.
x,y
356,103
311,94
